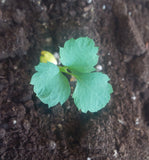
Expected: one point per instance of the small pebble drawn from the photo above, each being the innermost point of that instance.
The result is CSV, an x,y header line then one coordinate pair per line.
x,y
8,100
14,121
39,2
129,13
15,67
45,25
104,7
109,54
115,153
42,8
88,8
68,107
56,55
73,79
123,79
121,121
88,158
52,145
133,98
3,1
49,40
60,126
137,121
99,67
89,1
109,63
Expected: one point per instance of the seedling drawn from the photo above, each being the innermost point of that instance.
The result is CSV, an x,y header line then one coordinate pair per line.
x,y
78,56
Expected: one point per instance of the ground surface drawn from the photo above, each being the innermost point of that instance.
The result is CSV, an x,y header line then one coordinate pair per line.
x,y
31,131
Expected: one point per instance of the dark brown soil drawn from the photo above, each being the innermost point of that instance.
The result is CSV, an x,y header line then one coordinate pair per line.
x,y
29,130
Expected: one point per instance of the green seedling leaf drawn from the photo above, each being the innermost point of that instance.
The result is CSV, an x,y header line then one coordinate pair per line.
x,y
50,85
79,55
92,92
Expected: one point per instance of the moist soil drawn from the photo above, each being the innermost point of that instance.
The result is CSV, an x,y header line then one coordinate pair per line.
x,y
29,130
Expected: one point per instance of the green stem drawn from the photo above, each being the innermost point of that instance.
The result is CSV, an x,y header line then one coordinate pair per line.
x,y
64,69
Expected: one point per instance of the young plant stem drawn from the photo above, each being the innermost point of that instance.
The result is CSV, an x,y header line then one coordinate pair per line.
x,y
64,69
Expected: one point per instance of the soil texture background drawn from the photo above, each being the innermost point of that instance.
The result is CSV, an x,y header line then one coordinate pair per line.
x,y
29,130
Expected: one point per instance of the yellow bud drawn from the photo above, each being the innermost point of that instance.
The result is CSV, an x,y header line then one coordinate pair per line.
x,y
47,57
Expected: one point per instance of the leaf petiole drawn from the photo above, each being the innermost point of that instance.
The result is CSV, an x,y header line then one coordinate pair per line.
x,y
64,69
